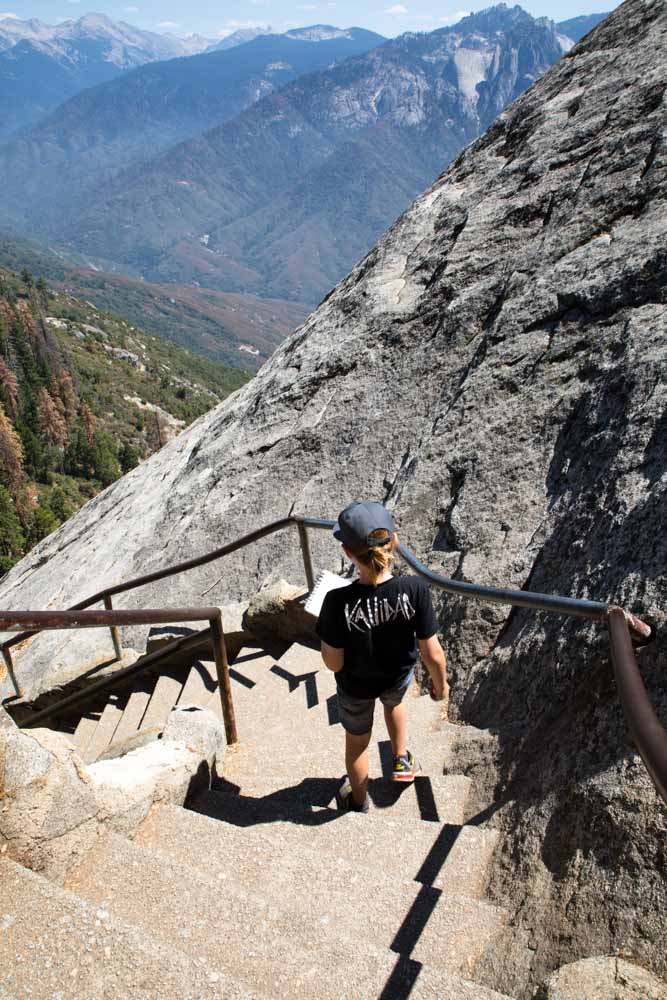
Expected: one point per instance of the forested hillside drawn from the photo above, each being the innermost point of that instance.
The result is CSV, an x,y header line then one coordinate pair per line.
x,y
84,397
237,330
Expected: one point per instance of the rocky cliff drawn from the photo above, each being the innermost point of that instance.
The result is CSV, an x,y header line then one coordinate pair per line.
x,y
495,370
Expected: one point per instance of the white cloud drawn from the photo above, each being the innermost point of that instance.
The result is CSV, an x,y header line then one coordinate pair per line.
x,y
396,8
9,16
453,18
131,10
307,6
168,25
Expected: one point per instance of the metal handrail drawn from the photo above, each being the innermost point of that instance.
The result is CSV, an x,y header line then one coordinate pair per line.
x,y
645,727
624,661
47,620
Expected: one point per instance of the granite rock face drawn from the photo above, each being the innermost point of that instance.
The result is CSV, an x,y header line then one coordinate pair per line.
x,y
602,979
495,370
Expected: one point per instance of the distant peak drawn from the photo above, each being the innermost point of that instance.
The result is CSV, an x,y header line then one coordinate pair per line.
x,y
94,20
318,33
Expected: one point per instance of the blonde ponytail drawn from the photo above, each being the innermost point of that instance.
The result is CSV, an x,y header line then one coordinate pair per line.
x,y
378,559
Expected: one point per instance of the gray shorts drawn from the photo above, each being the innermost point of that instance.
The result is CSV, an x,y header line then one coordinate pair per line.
x,y
356,714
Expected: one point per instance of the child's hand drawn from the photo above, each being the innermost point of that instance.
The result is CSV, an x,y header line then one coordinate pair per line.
x,y
439,691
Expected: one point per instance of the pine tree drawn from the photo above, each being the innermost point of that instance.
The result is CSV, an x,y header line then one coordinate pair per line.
x,y
129,457
11,455
52,426
9,386
41,524
88,421
60,505
12,539
105,459
64,387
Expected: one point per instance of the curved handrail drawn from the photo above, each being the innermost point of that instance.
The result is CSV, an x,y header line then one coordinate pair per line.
x,y
634,703
645,727
578,607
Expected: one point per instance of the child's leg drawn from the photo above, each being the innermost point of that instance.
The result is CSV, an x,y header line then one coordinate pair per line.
x,y
356,764
396,717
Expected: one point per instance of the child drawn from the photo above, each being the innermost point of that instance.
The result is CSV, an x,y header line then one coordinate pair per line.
x,y
370,632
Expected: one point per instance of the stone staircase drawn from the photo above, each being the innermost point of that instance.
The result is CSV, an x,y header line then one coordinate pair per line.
x,y
260,888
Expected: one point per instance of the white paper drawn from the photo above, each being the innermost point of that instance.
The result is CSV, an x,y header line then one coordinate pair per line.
x,y
325,582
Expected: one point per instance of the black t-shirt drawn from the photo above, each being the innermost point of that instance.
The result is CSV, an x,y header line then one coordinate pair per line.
x,y
378,628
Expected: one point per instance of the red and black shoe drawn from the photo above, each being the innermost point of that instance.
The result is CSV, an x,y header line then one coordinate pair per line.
x,y
405,767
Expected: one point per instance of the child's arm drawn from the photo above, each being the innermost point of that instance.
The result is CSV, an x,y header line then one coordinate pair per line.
x,y
333,657
433,656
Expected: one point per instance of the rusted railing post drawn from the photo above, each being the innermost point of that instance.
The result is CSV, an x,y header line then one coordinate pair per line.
x,y
305,552
115,635
9,663
645,727
224,683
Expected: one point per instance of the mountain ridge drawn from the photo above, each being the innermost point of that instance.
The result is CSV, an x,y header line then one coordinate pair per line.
x,y
43,65
431,90
116,124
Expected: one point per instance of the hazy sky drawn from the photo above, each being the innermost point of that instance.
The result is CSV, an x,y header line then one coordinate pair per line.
x,y
388,17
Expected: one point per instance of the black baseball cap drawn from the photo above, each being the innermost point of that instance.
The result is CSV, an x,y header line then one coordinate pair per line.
x,y
359,520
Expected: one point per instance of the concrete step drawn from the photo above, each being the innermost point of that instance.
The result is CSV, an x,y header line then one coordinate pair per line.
x,y
53,944
423,846
211,846
135,708
274,755
199,686
84,731
295,686
164,697
310,775
105,729
466,867
287,950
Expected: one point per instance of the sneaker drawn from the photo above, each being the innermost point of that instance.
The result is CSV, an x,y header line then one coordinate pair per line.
x,y
346,802
405,767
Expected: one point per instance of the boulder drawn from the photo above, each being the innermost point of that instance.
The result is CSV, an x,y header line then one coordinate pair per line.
x,y
200,729
163,771
236,636
602,979
48,807
52,807
277,613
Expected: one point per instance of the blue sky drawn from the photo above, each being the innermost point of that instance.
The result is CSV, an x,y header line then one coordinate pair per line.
x,y
388,17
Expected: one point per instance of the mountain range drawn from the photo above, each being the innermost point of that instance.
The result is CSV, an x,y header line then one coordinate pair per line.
x,y
281,199
286,174
43,65
132,118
